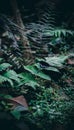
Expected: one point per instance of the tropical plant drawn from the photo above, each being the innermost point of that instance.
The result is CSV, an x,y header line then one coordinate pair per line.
x,y
46,29
40,93
7,74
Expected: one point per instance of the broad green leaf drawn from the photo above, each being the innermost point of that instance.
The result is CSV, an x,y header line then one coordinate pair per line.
x,y
11,74
44,76
56,61
33,70
25,75
27,79
52,69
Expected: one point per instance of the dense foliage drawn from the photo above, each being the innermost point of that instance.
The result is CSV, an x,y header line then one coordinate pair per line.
x,y
39,94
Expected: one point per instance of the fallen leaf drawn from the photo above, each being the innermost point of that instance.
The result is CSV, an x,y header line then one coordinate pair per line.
x,y
19,103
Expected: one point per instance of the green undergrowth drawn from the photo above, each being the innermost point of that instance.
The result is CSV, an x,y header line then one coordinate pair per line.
x,y
47,87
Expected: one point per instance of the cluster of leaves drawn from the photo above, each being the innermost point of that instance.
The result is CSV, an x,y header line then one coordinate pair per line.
x,y
10,82
53,102
10,43
47,84
33,76
46,36
48,108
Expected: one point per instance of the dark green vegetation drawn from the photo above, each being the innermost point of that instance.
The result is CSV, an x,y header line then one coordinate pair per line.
x,y
37,92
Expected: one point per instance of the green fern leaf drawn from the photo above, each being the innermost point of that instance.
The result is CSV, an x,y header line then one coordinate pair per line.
x,y
56,61
11,74
4,79
4,66
61,32
36,72
32,84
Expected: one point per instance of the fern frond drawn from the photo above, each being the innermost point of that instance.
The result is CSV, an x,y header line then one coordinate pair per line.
x,y
5,79
8,75
61,32
58,32
4,66
46,22
11,74
9,44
